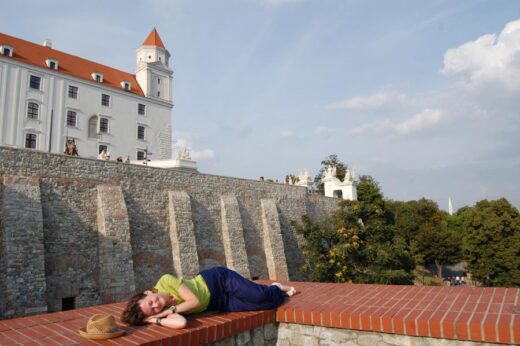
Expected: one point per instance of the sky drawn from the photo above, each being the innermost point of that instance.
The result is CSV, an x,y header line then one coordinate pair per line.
x,y
421,95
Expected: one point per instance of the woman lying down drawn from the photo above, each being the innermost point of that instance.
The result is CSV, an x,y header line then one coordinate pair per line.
x,y
217,289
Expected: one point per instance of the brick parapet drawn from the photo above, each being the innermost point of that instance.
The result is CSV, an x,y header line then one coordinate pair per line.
x,y
320,314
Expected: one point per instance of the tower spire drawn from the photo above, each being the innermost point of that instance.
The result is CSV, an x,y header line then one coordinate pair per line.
x,y
154,39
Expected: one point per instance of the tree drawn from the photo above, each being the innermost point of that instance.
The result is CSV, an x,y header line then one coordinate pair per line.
x,y
357,243
424,229
491,243
331,160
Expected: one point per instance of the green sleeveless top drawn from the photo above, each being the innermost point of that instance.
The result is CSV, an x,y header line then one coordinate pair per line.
x,y
170,284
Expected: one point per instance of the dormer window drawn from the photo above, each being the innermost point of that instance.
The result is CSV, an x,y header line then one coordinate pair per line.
x,y
6,50
126,85
98,77
52,63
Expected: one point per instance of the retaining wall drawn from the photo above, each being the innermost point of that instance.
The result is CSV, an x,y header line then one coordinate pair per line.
x,y
80,232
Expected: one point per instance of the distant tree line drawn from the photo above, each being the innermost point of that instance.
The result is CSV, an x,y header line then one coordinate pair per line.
x,y
377,240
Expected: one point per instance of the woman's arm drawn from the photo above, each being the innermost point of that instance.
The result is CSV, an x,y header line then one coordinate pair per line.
x,y
173,320
190,300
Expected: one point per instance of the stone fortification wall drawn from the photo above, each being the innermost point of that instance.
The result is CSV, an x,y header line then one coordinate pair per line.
x,y
83,232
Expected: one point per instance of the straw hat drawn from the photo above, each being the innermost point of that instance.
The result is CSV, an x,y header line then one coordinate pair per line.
x,y
101,327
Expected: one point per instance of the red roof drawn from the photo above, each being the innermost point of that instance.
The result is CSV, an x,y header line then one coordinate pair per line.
x,y
154,40
36,55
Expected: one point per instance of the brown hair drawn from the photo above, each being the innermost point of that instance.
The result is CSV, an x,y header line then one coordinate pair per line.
x,y
133,313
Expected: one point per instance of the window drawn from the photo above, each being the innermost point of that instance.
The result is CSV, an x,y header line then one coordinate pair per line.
x,y
71,118
141,109
158,94
52,64
35,82
30,141
126,85
32,110
103,125
158,80
140,155
73,92
140,132
92,126
98,77
102,147
105,100
6,50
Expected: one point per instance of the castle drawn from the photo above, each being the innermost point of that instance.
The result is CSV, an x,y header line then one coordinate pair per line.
x,y
49,98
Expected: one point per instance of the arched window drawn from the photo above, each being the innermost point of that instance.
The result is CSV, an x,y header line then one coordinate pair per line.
x,y
92,126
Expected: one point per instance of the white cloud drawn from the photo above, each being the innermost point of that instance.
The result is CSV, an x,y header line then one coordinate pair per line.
x,y
183,141
203,154
242,128
323,131
426,118
379,100
420,121
489,60
279,2
289,135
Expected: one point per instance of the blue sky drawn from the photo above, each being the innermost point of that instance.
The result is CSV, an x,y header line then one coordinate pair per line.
x,y
421,95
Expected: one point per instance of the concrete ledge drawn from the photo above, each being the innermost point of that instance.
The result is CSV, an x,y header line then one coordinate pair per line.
x,y
474,315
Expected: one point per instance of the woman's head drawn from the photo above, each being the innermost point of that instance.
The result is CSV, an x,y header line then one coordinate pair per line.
x,y
143,305
133,313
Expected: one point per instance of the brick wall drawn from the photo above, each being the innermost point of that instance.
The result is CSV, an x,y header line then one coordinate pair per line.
x,y
93,230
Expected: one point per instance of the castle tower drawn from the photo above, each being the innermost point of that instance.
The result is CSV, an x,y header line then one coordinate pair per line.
x,y
153,72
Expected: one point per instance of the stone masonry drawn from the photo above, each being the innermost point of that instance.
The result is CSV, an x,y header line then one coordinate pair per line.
x,y
274,250
22,277
89,231
233,236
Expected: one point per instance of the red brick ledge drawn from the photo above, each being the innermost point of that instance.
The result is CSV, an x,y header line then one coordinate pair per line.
x,y
61,328
459,313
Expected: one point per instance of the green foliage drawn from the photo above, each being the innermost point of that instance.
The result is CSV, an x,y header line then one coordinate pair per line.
x,y
492,242
331,160
425,229
357,243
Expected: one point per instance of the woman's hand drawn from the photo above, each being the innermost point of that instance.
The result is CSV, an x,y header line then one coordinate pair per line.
x,y
171,320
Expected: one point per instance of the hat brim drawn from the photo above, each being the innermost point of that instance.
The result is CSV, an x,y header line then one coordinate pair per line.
x,y
100,336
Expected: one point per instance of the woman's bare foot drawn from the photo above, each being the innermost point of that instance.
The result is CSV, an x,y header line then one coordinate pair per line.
x,y
289,290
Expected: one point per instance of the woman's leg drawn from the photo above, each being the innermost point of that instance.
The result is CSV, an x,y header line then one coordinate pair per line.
x,y
245,295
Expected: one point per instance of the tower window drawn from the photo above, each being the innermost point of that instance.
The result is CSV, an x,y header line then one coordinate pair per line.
x,y
140,132
32,110
158,80
71,118
158,94
35,82
30,141
105,100
140,155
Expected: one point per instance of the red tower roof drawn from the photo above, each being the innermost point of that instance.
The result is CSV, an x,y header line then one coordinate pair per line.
x,y
154,40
